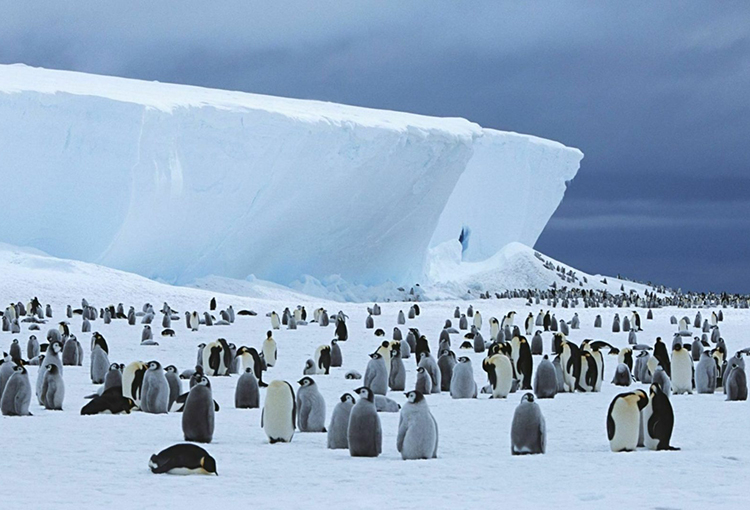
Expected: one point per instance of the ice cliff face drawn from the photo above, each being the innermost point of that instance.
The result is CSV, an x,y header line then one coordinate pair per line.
x,y
178,182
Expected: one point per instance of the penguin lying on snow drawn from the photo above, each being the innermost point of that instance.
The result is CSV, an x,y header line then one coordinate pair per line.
x,y
183,459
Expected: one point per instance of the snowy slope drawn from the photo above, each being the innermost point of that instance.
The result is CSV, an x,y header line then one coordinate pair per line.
x,y
101,461
180,182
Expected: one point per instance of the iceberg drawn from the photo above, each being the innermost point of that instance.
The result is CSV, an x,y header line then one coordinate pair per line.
x,y
176,182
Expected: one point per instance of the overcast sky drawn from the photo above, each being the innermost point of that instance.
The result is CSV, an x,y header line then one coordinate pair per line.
x,y
656,94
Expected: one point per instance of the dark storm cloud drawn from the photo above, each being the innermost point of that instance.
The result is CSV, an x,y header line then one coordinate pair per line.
x,y
654,93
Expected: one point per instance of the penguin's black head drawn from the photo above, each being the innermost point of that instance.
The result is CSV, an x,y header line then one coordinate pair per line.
x,y
464,359
678,347
365,393
527,397
201,346
448,324
346,397
268,334
309,363
15,340
242,350
306,381
171,368
20,369
52,368
379,332
444,352
414,396
32,337
385,343
375,355
154,365
421,370
334,341
202,380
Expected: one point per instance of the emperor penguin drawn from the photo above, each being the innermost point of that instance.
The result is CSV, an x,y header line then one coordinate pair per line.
x,y
32,347
500,374
462,383
51,357
247,393
736,386
384,349
279,412
132,381
323,359
183,459
376,376
397,377
198,413
401,319
194,321
545,380
269,349
696,349
662,355
6,371
342,332
537,345
479,342
336,356
364,433
154,390
624,420
524,362
529,324
598,321
477,320
113,379
417,436
622,375
705,374
423,383
528,434
311,407
15,351
275,321
430,365
53,389
339,425
174,382
570,362
16,396
217,358
369,322
251,358
446,362
682,370
658,420
616,324
310,368
494,328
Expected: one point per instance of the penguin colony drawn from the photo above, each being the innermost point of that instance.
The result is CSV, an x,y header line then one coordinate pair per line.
x,y
695,360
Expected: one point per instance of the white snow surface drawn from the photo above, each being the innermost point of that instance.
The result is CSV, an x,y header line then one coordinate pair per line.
x,y
59,459
178,182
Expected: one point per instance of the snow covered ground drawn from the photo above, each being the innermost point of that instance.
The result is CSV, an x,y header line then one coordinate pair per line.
x,y
64,460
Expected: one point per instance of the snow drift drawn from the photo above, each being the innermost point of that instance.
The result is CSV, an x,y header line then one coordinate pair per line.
x,y
177,182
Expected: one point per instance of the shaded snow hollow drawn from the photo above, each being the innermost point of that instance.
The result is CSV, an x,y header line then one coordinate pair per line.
x,y
178,182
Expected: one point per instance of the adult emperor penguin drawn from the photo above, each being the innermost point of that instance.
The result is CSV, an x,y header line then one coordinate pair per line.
x,y
463,384
51,357
624,420
339,426
417,436
53,389
364,433
154,390
198,413
524,362
275,321
705,374
247,393
279,412
16,396
494,328
682,370
311,407
183,459
269,349
658,421
397,377
529,324
323,359
251,358
570,362
736,385
662,355
545,380
132,381
430,365
376,376
499,370
477,320
384,349
528,434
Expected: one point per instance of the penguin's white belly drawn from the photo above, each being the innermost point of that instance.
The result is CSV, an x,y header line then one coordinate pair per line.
x,y
648,441
504,379
682,375
277,421
627,424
